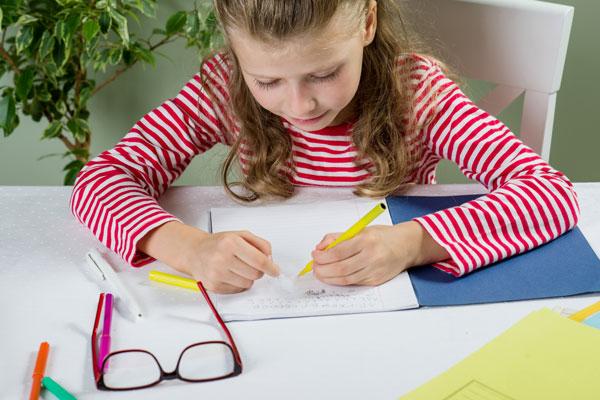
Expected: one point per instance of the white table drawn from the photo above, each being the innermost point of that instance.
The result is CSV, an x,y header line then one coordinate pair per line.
x,y
44,296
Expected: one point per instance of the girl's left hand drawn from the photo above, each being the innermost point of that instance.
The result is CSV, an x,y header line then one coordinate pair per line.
x,y
375,255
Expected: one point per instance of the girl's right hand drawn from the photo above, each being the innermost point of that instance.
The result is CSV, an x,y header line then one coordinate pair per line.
x,y
225,262
229,262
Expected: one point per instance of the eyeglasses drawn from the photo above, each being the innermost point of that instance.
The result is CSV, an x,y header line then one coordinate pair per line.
x,y
137,369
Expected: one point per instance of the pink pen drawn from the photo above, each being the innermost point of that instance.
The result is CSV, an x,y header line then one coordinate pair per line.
x,y
105,337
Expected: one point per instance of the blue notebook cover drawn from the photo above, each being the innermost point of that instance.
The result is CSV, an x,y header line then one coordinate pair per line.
x,y
563,267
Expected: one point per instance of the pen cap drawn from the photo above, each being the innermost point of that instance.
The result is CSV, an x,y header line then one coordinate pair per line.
x,y
42,357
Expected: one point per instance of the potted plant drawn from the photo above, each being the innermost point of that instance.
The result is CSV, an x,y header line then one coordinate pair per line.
x,y
55,48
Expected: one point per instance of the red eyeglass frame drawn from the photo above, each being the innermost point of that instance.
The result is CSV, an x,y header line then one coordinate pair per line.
x,y
99,374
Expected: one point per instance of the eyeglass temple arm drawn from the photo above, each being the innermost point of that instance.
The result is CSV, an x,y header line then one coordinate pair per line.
x,y
220,320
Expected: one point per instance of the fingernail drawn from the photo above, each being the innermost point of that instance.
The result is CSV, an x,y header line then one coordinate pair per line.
x,y
277,269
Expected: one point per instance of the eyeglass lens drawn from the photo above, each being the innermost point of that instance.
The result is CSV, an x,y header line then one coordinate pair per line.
x,y
131,369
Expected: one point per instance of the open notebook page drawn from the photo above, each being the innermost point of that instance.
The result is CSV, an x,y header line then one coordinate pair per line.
x,y
293,231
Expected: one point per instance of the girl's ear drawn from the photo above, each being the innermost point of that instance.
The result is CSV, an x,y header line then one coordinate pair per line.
x,y
370,23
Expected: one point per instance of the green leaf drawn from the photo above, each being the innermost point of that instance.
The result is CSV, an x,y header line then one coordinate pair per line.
x,y
211,21
75,164
90,47
72,169
71,24
85,94
59,30
131,14
121,28
52,131
8,114
42,93
79,153
101,4
79,128
115,55
148,8
48,156
176,22
26,19
90,29
70,177
60,56
128,57
59,108
46,45
105,22
1,16
192,26
37,110
144,54
24,38
24,83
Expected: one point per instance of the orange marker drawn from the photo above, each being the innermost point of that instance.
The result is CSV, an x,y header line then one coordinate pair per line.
x,y
38,371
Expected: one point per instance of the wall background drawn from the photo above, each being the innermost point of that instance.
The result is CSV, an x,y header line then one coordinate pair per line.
x,y
575,143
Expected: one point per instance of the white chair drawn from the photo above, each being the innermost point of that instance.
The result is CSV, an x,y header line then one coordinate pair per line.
x,y
519,45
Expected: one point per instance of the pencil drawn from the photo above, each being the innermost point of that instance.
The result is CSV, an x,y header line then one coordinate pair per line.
x,y
351,232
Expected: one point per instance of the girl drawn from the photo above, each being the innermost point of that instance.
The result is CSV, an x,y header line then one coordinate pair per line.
x,y
323,93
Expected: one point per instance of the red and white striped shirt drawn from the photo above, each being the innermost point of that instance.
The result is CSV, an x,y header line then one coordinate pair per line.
x,y
529,202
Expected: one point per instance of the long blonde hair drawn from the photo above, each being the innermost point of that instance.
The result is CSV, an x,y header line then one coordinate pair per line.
x,y
384,116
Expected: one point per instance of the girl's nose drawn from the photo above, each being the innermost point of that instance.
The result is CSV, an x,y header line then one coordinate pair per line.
x,y
302,103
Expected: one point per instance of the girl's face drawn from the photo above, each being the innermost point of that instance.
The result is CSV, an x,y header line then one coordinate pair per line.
x,y
310,80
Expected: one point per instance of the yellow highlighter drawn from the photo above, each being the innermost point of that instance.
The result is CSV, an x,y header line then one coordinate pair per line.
x,y
173,280
351,232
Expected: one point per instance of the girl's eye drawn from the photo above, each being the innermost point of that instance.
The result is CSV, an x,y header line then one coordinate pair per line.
x,y
328,77
318,79
266,85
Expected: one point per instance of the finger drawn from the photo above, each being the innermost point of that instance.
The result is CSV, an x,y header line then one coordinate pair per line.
x,y
256,252
233,279
222,288
339,252
359,276
327,240
356,278
261,244
244,270
340,269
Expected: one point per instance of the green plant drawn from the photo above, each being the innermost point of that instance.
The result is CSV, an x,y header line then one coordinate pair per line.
x,y
54,47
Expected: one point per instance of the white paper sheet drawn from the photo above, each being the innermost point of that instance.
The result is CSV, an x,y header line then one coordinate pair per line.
x,y
293,231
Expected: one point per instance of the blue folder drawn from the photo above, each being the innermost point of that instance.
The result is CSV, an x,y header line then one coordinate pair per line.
x,y
563,267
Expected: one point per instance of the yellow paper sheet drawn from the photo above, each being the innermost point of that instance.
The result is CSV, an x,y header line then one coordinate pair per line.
x,y
544,356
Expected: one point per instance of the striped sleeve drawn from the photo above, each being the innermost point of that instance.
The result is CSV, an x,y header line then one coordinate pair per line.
x,y
115,194
529,203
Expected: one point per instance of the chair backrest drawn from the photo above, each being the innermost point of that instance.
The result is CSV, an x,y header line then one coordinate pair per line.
x,y
519,45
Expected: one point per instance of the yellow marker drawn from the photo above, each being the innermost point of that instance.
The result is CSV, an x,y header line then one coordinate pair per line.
x,y
173,280
579,316
351,232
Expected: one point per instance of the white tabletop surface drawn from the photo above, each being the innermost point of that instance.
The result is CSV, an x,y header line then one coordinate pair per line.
x,y
45,296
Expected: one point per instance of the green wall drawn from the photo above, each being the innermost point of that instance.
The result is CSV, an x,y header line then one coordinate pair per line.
x,y
576,138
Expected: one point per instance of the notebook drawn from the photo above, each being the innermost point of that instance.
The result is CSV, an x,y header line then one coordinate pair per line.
x,y
293,231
